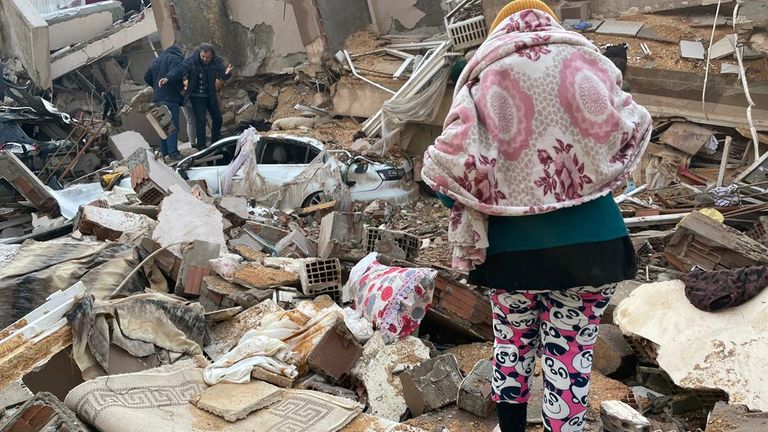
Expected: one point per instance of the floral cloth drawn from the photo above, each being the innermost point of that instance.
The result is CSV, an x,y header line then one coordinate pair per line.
x,y
539,122
394,299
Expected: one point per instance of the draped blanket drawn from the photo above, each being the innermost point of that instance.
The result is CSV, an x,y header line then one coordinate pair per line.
x,y
539,123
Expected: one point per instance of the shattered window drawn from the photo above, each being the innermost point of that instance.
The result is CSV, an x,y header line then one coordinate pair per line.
x,y
277,151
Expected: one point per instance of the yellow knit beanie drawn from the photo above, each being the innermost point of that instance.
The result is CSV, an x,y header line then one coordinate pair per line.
x,y
521,5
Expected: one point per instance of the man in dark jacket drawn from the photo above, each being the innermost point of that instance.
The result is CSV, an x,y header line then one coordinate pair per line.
x,y
168,95
202,69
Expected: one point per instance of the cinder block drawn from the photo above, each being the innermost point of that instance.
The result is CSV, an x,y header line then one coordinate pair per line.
x,y
395,244
432,384
318,275
475,390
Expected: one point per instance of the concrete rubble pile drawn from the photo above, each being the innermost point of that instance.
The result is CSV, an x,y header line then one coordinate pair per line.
x,y
260,284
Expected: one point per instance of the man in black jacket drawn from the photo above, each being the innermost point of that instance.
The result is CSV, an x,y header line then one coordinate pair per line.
x,y
202,69
168,95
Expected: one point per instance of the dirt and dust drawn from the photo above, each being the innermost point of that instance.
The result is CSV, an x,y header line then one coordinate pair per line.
x,y
666,56
263,277
468,355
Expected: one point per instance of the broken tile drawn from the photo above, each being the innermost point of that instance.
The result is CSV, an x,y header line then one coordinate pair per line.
x,y
715,353
620,28
649,33
620,417
688,137
234,402
692,50
432,384
475,390
729,69
723,48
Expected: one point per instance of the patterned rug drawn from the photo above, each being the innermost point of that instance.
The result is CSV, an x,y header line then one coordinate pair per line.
x,y
159,400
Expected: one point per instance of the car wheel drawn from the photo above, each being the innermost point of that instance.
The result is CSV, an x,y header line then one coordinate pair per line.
x,y
314,199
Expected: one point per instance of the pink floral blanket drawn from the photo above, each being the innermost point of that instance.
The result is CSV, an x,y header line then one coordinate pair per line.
x,y
539,123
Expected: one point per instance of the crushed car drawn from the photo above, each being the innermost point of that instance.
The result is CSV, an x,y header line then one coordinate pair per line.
x,y
291,172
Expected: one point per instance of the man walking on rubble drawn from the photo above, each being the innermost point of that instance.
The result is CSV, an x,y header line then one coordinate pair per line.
x,y
202,69
169,95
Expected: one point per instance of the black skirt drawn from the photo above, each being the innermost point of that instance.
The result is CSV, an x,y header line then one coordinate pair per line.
x,y
587,264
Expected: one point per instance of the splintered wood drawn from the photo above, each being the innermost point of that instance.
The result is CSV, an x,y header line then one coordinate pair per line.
x,y
263,277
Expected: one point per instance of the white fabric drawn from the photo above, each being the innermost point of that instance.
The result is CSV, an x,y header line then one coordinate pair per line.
x,y
236,366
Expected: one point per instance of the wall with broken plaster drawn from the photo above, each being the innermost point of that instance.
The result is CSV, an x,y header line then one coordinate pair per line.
x,y
255,36
25,35
393,16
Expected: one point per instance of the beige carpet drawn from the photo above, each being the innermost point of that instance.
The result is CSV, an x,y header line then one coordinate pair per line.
x,y
159,400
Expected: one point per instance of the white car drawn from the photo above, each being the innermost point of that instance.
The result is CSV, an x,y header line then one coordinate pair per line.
x,y
282,159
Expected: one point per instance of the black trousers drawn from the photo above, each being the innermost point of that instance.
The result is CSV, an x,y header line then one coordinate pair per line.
x,y
200,107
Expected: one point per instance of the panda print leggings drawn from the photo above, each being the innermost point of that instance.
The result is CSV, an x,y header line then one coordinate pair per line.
x,y
560,327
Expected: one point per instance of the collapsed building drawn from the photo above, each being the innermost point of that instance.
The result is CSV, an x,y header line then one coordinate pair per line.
x,y
243,277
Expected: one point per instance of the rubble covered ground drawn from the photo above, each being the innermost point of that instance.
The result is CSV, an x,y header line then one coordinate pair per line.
x,y
147,293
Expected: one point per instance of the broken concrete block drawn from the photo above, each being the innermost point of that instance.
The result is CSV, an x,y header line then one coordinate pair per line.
x,y
620,28
296,245
341,236
336,353
267,97
235,209
262,374
620,417
161,120
711,245
376,367
183,218
195,266
108,224
256,276
234,402
702,350
124,144
432,384
611,353
152,179
475,390
579,10
724,47
692,50
735,418
27,184
216,293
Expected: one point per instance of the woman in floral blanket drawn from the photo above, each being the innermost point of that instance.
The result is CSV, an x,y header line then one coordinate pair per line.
x,y
539,135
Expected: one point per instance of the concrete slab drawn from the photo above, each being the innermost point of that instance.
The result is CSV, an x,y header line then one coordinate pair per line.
x,y
620,28
25,35
87,53
708,21
716,353
82,23
729,68
234,402
475,390
723,48
649,33
431,385
183,218
692,50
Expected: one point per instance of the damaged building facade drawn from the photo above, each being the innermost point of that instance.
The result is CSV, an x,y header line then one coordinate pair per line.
x,y
297,275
